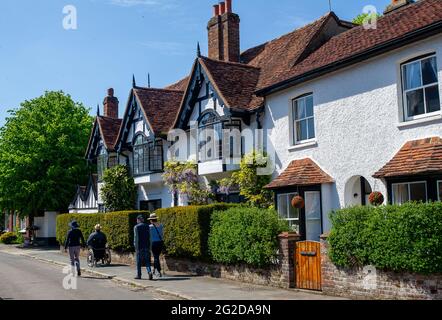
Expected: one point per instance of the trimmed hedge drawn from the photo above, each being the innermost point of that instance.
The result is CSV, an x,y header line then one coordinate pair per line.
x,y
118,227
395,238
186,229
246,235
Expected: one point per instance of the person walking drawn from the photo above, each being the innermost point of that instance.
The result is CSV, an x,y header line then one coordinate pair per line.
x,y
142,246
156,239
74,241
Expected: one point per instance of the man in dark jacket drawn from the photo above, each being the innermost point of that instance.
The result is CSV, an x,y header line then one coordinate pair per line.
x,y
142,246
97,241
74,241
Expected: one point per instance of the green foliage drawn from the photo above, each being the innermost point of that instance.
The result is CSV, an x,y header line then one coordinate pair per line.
x,y
20,239
359,20
42,146
251,182
182,177
396,238
245,235
119,191
8,238
118,227
186,229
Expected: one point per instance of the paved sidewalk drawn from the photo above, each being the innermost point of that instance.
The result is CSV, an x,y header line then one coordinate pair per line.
x,y
184,286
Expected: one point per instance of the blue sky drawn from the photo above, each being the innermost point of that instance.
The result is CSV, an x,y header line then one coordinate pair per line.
x,y
116,38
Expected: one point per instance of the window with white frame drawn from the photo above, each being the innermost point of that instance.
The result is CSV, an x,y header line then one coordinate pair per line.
x,y
409,191
420,88
287,211
439,190
303,119
101,162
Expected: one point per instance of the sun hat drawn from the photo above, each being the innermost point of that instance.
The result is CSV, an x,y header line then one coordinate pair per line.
x,y
153,216
97,227
74,224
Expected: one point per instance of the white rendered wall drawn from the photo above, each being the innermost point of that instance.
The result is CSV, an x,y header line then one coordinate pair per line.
x,y
357,119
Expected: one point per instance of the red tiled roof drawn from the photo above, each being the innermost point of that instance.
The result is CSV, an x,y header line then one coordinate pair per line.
x,y
303,172
277,57
179,85
359,40
235,82
415,157
109,128
160,107
307,49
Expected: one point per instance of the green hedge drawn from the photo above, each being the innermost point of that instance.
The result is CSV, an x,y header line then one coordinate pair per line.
x,y
118,227
186,229
396,238
246,235
8,238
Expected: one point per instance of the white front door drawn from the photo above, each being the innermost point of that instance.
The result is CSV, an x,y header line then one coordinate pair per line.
x,y
313,215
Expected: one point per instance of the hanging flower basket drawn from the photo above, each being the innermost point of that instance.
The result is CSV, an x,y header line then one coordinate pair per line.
x,y
298,202
376,198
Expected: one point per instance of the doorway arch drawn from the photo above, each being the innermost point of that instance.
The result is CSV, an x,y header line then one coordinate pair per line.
x,y
357,191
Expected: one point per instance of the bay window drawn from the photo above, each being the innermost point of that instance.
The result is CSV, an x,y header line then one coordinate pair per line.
x,y
420,87
211,133
147,156
409,191
303,119
209,137
139,155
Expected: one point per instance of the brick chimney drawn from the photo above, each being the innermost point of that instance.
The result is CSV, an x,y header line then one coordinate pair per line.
x,y
111,105
223,30
396,4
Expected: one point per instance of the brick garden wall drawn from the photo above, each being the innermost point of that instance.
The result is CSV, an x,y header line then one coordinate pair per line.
x,y
280,275
360,284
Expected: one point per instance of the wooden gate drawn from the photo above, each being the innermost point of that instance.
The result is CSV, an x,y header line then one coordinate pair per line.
x,y
308,265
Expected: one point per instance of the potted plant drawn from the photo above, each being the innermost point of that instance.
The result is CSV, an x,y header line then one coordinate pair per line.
x,y
376,198
298,202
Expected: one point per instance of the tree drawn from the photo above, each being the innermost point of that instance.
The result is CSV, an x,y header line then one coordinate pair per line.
x,y
119,191
359,20
42,148
251,184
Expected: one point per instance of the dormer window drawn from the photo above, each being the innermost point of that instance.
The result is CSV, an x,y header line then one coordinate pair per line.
x,y
420,87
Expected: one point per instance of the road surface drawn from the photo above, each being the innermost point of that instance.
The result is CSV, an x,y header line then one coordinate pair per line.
x,y
23,278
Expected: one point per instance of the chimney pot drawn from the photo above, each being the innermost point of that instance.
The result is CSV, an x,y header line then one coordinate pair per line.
x,y
222,6
229,6
216,10
110,92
